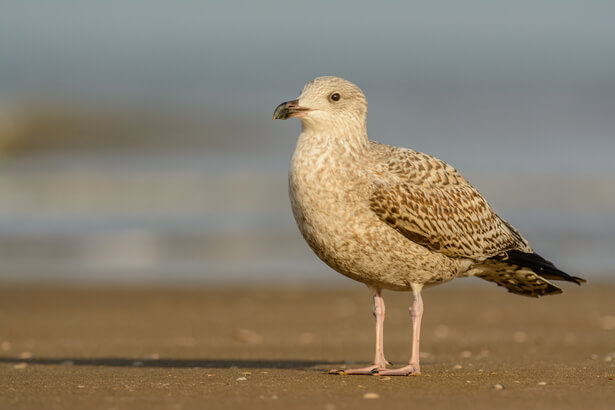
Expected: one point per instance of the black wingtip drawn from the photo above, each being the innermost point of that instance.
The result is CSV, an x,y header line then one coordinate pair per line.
x,y
539,265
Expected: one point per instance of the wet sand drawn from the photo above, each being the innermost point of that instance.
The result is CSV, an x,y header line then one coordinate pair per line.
x,y
268,348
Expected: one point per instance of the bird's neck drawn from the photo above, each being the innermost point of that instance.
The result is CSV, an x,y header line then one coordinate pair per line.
x,y
342,140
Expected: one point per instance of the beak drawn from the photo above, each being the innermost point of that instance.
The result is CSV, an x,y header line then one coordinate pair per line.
x,y
289,109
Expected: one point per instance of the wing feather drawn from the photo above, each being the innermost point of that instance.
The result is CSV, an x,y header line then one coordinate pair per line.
x,y
430,203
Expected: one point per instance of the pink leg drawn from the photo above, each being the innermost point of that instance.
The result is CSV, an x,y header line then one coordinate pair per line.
x,y
416,312
380,362
379,313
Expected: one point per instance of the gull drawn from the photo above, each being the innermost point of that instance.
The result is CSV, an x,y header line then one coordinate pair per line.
x,y
393,218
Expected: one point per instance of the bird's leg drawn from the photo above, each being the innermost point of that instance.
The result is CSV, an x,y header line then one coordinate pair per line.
x,y
416,312
380,362
379,313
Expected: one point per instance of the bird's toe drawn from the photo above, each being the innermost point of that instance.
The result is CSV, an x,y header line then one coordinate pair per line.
x,y
410,370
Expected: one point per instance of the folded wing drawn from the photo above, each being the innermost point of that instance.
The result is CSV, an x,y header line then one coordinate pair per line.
x,y
430,203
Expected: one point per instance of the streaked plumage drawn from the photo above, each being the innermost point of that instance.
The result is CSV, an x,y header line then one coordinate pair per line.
x,y
394,218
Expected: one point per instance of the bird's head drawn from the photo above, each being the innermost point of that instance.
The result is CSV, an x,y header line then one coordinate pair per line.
x,y
327,102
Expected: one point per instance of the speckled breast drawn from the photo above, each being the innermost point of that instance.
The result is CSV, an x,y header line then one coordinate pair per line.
x,y
331,208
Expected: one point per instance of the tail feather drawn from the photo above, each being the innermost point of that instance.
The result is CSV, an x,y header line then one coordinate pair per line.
x,y
517,279
538,264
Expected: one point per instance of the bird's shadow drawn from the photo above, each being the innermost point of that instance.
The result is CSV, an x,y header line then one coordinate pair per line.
x,y
170,363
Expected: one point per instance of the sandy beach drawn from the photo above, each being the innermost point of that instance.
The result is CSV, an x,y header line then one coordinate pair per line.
x,y
270,348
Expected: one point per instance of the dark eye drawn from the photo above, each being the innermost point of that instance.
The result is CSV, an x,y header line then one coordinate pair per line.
x,y
335,97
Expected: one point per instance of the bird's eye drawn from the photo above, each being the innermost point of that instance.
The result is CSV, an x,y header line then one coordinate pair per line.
x,y
335,97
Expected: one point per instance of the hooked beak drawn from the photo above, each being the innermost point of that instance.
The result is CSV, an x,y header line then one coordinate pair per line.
x,y
289,109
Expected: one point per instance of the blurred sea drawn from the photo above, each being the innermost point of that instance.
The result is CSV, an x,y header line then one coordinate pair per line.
x,y
136,141
225,216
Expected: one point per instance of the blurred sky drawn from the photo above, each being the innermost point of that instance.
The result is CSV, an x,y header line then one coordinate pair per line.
x,y
519,96
536,73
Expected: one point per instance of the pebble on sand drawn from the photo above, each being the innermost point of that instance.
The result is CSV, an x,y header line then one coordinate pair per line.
x,y
607,322
307,338
240,379
371,395
498,386
441,331
520,337
21,365
246,336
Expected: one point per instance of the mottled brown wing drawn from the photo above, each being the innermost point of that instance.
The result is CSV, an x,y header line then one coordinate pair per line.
x,y
452,219
414,167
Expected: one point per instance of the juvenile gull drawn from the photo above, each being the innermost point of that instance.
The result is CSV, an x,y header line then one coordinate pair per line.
x,y
394,218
